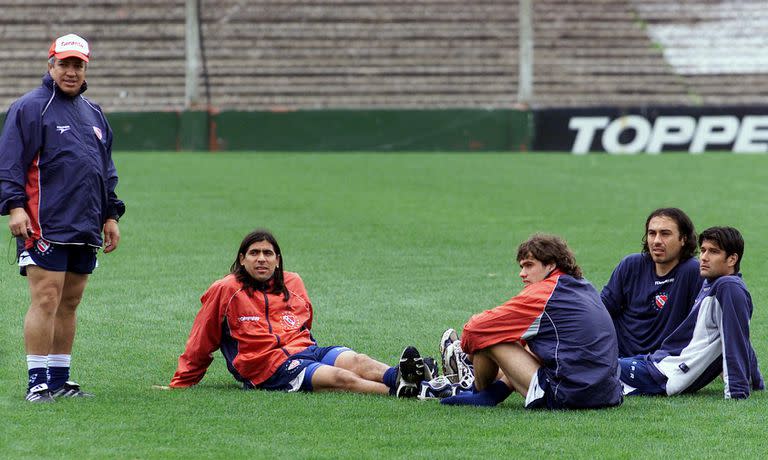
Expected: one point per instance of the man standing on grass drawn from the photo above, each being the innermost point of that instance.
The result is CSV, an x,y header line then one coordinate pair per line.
x,y
650,293
260,317
57,183
714,337
554,342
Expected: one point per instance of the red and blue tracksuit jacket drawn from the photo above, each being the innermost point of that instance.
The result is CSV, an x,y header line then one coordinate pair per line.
x,y
256,331
564,323
56,162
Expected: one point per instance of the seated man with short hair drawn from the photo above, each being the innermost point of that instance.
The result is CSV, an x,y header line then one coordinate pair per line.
x,y
554,342
714,337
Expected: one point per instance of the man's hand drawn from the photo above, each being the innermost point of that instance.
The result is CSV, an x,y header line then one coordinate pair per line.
x,y
19,223
111,235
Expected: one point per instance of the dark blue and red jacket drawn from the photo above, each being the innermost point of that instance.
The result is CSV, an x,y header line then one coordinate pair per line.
x,y
563,322
56,162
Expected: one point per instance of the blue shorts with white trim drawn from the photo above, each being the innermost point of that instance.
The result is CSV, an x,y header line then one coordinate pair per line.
x,y
295,374
53,257
637,378
540,393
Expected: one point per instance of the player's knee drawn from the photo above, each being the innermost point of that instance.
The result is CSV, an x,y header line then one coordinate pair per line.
x,y
364,364
351,360
361,360
45,300
70,303
345,379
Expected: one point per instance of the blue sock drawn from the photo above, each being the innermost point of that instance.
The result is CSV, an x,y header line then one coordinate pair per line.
x,y
57,377
37,376
37,367
497,392
390,379
58,370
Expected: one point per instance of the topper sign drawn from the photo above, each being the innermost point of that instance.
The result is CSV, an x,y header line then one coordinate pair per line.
x,y
679,132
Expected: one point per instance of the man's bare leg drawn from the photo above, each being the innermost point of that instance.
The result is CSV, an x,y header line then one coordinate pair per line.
x,y
330,378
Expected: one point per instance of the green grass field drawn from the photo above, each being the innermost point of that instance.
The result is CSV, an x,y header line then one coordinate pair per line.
x,y
393,249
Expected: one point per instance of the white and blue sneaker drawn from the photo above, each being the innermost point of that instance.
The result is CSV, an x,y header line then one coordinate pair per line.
x,y
70,389
410,373
466,371
39,394
437,388
456,364
448,361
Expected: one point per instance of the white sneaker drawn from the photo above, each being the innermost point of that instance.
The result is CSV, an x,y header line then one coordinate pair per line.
x,y
39,394
450,368
465,369
437,388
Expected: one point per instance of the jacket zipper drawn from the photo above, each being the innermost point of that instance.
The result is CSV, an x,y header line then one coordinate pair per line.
x,y
269,324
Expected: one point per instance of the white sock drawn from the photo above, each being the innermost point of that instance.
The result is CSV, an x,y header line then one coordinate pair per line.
x,y
59,360
37,361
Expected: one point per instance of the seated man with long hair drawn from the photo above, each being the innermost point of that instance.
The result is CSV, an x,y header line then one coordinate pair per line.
x,y
260,317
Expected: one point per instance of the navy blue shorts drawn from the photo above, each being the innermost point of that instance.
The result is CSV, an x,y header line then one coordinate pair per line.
x,y
637,379
540,393
296,373
59,258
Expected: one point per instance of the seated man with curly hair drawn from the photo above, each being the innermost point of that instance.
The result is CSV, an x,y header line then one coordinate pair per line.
x,y
554,342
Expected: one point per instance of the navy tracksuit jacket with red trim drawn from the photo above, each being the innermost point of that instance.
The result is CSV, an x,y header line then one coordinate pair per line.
x,y
56,162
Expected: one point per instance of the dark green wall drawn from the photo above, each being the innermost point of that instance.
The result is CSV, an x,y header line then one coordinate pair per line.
x,y
145,131
324,130
372,130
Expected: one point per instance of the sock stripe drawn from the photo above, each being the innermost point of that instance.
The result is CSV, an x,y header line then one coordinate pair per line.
x,y
37,362
59,360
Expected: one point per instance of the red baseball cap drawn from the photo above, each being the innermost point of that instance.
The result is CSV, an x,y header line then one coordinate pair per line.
x,y
69,45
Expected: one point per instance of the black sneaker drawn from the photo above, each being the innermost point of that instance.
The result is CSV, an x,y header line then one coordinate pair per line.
x,y
410,373
70,390
39,394
430,368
